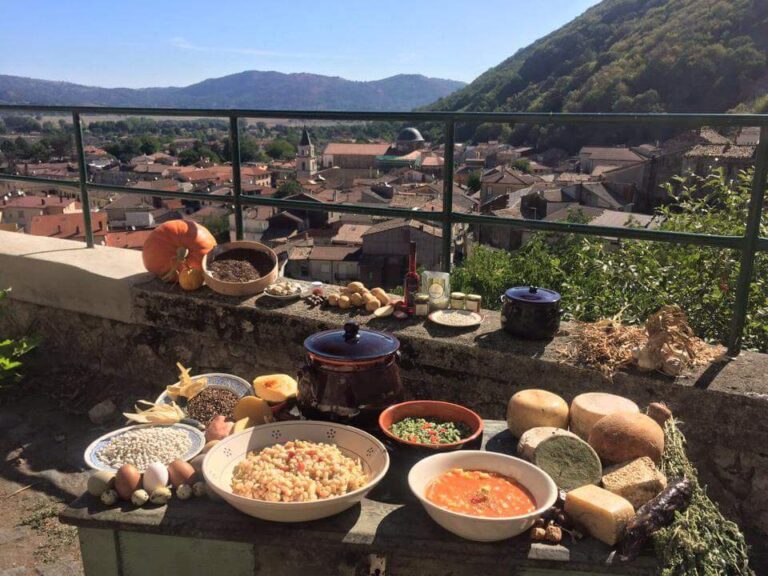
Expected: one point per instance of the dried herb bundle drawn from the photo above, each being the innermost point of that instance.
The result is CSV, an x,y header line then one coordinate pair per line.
x,y
606,345
666,343
700,541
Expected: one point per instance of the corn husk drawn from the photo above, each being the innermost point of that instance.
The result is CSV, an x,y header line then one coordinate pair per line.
x,y
185,387
155,413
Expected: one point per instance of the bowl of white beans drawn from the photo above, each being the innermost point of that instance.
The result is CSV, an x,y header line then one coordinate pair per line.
x,y
142,444
295,471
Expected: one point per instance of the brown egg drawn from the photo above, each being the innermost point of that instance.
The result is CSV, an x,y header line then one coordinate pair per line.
x,y
180,472
127,481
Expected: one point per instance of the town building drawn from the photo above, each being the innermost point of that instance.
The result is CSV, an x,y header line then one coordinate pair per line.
x,y
21,210
502,180
385,250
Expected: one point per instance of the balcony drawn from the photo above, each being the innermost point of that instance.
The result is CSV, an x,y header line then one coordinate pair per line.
x,y
100,313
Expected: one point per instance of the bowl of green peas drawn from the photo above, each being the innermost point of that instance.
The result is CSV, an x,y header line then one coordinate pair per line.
x,y
431,424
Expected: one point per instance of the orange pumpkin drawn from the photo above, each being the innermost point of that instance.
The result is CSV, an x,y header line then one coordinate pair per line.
x,y
175,245
191,278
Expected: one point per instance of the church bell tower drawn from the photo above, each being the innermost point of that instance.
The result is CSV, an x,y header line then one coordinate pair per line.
x,y
306,162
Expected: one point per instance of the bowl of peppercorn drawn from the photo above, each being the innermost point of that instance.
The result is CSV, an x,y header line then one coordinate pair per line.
x,y
219,396
431,425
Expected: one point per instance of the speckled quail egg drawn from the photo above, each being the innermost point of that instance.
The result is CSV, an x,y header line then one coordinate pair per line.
x,y
139,497
199,489
161,496
109,497
184,492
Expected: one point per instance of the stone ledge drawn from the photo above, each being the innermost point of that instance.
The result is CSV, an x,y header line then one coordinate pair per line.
x,y
94,308
65,274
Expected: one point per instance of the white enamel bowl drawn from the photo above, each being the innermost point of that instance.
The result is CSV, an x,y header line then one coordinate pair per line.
x,y
221,460
538,482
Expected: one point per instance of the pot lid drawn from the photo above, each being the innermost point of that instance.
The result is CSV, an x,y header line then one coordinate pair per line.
x,y
351,343
533,295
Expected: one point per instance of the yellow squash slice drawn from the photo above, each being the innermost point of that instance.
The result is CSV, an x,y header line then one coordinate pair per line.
x,y
275,387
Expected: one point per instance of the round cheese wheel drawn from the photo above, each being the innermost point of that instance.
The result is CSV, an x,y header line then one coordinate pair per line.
x,y
532,408
588,408
569,460
624,436
533,437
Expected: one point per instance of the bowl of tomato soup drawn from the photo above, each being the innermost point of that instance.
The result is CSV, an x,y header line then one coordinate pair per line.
x,y
482,496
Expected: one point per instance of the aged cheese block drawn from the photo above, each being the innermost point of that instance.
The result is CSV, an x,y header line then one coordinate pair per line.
x,y
533,437
603,514
532,408
638,481
588,408
569,460
624,436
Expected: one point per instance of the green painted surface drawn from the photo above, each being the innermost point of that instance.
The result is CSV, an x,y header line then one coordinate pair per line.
x,y
97,547
155,555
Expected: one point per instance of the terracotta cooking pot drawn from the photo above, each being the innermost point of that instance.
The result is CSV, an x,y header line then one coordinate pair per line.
x,y
350,375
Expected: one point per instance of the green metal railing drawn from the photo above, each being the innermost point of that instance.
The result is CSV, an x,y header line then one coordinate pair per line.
x,y
748,244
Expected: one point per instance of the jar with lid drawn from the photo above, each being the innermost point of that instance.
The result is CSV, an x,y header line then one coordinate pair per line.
x,y
457,300
438,286
474,302
422,304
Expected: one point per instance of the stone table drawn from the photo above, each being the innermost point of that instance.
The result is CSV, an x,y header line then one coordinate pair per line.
x,y
389,533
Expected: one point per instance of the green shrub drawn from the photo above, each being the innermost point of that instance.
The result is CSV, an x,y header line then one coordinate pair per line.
x,y
11,352
599,280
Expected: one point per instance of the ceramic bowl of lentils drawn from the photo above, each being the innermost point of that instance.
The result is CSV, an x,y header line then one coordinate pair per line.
x,y
220,395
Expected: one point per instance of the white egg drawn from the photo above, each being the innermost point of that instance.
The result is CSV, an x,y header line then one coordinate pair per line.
x,y
155,476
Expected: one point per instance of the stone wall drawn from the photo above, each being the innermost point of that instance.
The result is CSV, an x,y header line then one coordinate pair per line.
x,y
723,407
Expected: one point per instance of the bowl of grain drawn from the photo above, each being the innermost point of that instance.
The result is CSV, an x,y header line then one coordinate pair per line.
x,y
295,471
240,268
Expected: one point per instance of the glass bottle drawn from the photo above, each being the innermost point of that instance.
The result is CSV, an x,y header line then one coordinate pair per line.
x,y
411,282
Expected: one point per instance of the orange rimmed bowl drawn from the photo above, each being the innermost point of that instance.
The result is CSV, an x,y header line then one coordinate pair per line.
x,y
431,409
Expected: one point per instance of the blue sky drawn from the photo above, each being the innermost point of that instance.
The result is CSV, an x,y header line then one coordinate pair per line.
x,y
141,43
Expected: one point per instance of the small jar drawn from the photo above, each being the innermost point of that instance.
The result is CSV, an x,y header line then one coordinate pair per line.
x,y
457,300
474,302
421,304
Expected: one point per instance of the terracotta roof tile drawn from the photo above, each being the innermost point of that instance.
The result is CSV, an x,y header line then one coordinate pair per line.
x,y
353,149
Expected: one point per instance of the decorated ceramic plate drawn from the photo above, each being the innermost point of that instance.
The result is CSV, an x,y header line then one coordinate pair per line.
x,y
296,293
456,318
217,380
91,454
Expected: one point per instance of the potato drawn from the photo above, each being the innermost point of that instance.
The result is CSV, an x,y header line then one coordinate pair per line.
x,y
381,296
372,305
218,428
356,287
356,300
344,302
333,299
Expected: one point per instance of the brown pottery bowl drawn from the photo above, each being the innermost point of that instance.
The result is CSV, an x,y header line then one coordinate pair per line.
x,y
431,409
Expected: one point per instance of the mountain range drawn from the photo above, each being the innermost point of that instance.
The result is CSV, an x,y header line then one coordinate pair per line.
x,y
251,89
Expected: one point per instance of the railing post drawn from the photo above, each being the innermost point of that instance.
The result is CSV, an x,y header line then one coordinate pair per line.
x,y
83,173
234,150
749,249
448,195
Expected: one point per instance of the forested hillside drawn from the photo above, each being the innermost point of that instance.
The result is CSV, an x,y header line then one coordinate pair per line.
x,y
631,56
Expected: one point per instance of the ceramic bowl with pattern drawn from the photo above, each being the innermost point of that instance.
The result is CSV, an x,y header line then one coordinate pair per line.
x,y
216,380
221,460
91,455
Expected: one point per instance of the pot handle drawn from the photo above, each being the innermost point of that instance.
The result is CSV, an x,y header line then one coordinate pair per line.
x,y
351,331
502,297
